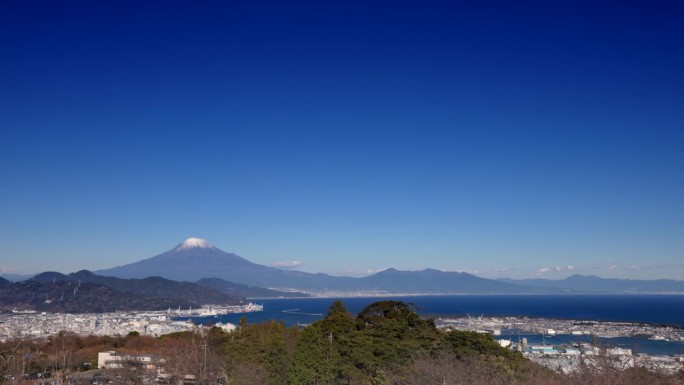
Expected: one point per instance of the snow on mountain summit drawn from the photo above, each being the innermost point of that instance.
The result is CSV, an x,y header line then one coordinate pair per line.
x,y
194,243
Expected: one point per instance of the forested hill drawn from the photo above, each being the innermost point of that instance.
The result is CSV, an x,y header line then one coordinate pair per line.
x,y
65,297
85,292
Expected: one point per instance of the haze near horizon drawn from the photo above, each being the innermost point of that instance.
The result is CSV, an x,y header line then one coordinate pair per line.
x,y
507,140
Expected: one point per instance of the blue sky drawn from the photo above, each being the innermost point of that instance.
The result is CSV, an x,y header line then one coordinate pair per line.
x,y
516,139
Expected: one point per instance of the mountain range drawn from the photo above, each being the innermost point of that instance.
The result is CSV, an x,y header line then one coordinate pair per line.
x,y
197,260
594,284
195,273
151,286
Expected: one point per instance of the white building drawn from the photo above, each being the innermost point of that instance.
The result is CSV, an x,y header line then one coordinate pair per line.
x,y
113,360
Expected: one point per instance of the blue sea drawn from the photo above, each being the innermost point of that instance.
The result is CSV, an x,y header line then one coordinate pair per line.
x,y
654,309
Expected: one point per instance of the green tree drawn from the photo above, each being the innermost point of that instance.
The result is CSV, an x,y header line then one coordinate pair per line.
x,y
331,351
469,344
396,332
312,362
266,347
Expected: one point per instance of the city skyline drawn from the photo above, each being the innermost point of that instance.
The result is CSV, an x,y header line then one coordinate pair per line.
x,y
506,140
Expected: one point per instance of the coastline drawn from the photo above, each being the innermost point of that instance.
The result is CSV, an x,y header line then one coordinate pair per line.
x,y
383,294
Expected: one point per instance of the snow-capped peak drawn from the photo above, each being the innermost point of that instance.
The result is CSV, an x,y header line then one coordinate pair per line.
x,y
192,242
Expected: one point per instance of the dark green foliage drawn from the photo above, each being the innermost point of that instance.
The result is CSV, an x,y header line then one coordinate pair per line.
x,y
340,350
380,312
268,346
396,332
313,359
384,341
468,344
331,351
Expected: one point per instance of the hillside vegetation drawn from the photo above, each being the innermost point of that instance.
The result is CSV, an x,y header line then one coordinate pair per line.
x,y
386,344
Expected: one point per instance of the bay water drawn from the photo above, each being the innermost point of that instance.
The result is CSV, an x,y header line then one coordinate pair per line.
x,y
652,309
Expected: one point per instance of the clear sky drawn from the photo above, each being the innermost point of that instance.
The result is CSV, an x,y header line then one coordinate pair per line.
x,y
506,138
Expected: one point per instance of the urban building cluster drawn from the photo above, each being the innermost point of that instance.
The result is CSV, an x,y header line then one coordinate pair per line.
x,y
573,354
38,325
546,326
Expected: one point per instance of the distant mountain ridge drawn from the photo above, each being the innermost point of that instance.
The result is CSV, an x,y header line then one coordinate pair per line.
x,y
16,277
443,282
232,288
594,284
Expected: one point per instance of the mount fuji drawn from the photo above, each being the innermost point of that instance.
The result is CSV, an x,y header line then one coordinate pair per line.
x,y
195,259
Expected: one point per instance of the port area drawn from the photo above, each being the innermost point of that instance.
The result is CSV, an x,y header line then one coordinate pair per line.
x,y
30,324
212,310
569,346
